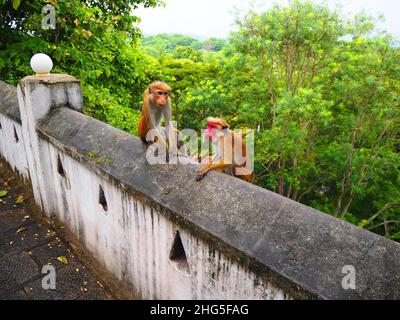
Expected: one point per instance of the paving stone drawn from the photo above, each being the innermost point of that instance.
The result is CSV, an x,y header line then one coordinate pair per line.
x,y
26,246
15,270
13,220
7,295
49,252
94,294
71,282
34,235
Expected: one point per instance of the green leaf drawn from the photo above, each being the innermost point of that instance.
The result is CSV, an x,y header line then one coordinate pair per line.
x,y
16,4
396,236
3,193
363,223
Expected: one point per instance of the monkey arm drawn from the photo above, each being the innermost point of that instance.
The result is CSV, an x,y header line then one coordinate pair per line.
x,y
211,166
171,134
157,131
171,137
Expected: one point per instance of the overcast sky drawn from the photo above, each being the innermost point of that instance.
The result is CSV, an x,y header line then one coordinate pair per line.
x,y
214,18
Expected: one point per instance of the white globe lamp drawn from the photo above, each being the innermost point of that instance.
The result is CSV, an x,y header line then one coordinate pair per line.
x,y
42,64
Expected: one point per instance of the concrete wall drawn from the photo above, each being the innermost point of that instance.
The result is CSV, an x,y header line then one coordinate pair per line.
x,y
11,143
169,236
133,240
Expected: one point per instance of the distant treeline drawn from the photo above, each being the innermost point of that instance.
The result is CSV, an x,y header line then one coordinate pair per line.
x,y
168,43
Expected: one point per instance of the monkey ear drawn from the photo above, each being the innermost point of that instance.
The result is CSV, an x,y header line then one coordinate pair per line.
x,y
224,124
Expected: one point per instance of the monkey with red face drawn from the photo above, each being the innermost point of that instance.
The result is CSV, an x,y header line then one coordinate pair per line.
x,y
232,155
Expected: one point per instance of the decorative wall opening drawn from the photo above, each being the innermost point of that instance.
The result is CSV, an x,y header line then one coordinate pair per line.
x,y
178,254
102,199
16,135
60,168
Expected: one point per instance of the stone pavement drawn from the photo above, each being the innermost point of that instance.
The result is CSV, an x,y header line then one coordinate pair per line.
x,y
27,244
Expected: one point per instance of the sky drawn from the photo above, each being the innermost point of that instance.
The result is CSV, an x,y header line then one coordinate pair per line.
x,y
215,18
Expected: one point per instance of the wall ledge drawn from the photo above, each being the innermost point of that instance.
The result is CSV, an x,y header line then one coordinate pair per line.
x,y
9,102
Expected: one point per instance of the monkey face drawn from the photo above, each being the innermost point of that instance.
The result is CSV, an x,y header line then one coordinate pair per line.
x,y
212,130
161,98
159,92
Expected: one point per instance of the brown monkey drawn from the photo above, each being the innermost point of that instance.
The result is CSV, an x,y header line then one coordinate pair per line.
x,y
156,106
232,154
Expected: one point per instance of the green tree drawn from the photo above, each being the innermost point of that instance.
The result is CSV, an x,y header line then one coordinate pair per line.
x,y
214,44
94,41
185,75
322,93
161,44
186,52
167,43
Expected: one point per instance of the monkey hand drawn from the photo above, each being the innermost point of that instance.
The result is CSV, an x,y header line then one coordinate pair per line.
x,y
201,173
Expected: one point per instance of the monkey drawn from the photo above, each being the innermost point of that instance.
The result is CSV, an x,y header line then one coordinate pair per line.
x,y
156,106
232,155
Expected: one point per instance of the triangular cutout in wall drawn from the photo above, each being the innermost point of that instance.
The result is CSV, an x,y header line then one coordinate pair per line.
x,y
102,199
60,167
16,135
178,254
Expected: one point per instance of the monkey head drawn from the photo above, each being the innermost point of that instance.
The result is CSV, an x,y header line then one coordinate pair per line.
x,y
215,127
159,92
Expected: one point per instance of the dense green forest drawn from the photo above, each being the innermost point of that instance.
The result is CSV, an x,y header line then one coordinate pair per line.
x,y
320,90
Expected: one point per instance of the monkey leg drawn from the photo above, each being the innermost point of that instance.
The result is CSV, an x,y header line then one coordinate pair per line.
x,y
212,166
202,172
243,173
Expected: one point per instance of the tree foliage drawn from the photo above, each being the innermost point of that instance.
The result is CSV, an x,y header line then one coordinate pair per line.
x,y
168,43
324,93
95,41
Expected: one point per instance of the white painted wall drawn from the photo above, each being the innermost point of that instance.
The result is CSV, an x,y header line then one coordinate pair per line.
x,y
133,241
11,150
